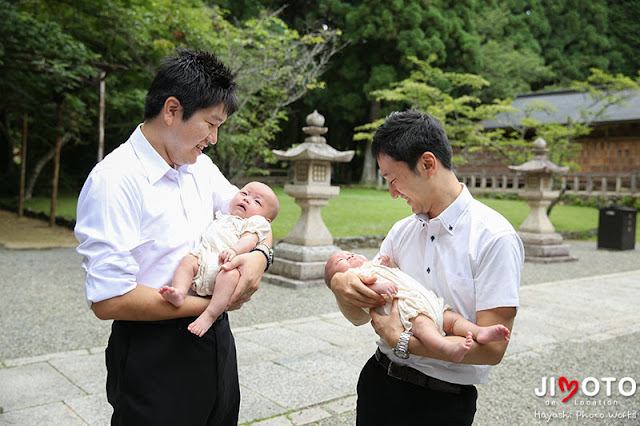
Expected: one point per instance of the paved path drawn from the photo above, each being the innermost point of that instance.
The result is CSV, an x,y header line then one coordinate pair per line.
x,y
304,370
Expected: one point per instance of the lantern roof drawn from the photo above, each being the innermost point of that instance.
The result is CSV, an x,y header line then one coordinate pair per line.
x,y
540,163
315,146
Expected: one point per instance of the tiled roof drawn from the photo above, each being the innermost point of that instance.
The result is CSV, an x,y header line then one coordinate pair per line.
x,y
568,103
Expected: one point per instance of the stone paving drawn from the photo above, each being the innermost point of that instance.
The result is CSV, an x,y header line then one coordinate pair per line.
x,y
304,371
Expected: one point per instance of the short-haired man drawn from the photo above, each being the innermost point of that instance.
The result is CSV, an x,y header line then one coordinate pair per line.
x,y
457,247
141,210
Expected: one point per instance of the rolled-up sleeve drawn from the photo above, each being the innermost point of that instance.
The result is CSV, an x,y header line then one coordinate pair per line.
x,y
108,231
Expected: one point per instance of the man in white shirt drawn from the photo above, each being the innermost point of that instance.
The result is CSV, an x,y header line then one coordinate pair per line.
x,y
140,211
455,246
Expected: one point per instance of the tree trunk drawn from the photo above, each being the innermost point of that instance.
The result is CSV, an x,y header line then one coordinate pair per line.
x,y
23,164
56,167
39,165
103,76
555,201
6,152
369,169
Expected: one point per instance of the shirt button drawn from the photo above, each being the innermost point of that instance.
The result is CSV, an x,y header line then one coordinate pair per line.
x,y
428,270
433,238
450,228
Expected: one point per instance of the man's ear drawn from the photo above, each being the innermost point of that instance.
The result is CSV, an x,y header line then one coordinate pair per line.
x,y
428,163
171,110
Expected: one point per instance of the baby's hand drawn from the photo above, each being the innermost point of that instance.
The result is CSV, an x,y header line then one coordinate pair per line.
x,y
385,260
385,289
226,255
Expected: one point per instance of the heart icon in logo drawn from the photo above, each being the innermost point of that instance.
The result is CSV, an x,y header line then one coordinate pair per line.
x,y
572,387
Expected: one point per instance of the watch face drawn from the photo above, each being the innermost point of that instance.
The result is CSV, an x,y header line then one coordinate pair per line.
x,y
401,354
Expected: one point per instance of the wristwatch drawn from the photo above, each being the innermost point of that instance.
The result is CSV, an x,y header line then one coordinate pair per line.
x,y
402,348
269,249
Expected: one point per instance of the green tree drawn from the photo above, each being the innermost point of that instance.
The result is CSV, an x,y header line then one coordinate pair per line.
x,y
74,40
451,98
275,67
380,36
624,23
509,64
42,71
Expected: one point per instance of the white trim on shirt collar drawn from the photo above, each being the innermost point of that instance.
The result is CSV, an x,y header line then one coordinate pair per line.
x,y
152,162
450,216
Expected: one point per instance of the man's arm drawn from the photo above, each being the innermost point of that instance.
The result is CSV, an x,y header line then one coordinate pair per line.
x,y
146,304
389,328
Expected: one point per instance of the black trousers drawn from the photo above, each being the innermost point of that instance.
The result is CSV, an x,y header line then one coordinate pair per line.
x,y
384,400
159,373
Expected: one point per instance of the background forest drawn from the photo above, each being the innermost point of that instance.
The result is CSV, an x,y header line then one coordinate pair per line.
x,y
353,61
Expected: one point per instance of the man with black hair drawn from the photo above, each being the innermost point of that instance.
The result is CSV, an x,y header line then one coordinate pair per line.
x,y
141,210
455,246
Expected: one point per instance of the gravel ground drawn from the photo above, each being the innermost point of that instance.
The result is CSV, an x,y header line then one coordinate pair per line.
x,y
42,306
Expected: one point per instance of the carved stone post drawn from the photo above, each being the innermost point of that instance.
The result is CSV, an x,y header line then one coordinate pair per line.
x,y
541,242
300,258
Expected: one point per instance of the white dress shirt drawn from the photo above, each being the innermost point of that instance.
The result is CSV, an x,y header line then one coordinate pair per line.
x,y
469,255
138,217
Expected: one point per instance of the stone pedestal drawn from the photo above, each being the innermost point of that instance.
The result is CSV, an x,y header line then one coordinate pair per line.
x,y
299,266
300,259
545,248
310,229
541,243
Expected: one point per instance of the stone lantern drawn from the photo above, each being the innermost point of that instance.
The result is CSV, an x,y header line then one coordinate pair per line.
x,y
301,256
541,242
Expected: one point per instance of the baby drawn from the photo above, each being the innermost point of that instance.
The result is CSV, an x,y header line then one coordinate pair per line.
x,y
251,211
448,333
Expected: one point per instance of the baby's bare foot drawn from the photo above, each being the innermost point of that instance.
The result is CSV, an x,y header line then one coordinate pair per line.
x,y
172,296
202,324
493,333
459,349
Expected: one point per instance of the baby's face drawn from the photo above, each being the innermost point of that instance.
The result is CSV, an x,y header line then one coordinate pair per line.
x,y
343,260
253,199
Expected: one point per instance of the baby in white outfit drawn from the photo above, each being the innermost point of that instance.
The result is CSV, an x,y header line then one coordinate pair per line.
x,y
251,211
448,333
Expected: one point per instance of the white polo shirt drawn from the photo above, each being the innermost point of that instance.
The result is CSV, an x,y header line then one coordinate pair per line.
x,y
469,255
138,217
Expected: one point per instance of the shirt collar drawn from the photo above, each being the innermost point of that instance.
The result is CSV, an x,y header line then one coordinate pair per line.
x,y
450,216
152,163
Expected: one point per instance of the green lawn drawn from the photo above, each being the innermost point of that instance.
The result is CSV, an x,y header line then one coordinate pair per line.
x,y
358,211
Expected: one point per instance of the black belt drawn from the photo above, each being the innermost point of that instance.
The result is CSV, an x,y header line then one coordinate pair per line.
x,y
174,322
415,377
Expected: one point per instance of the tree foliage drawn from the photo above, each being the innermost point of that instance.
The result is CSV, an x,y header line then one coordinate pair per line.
x,y
51,50
451,98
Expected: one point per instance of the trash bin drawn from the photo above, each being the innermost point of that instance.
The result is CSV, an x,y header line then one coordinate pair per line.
x,y
617,228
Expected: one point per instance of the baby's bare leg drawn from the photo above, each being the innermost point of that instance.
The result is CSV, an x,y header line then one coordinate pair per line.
x,y
451,348
226,283
455,324
384,288
181,282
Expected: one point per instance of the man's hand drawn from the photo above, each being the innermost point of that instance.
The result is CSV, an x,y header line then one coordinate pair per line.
x,y
352,289
352,295
388,327
251,266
